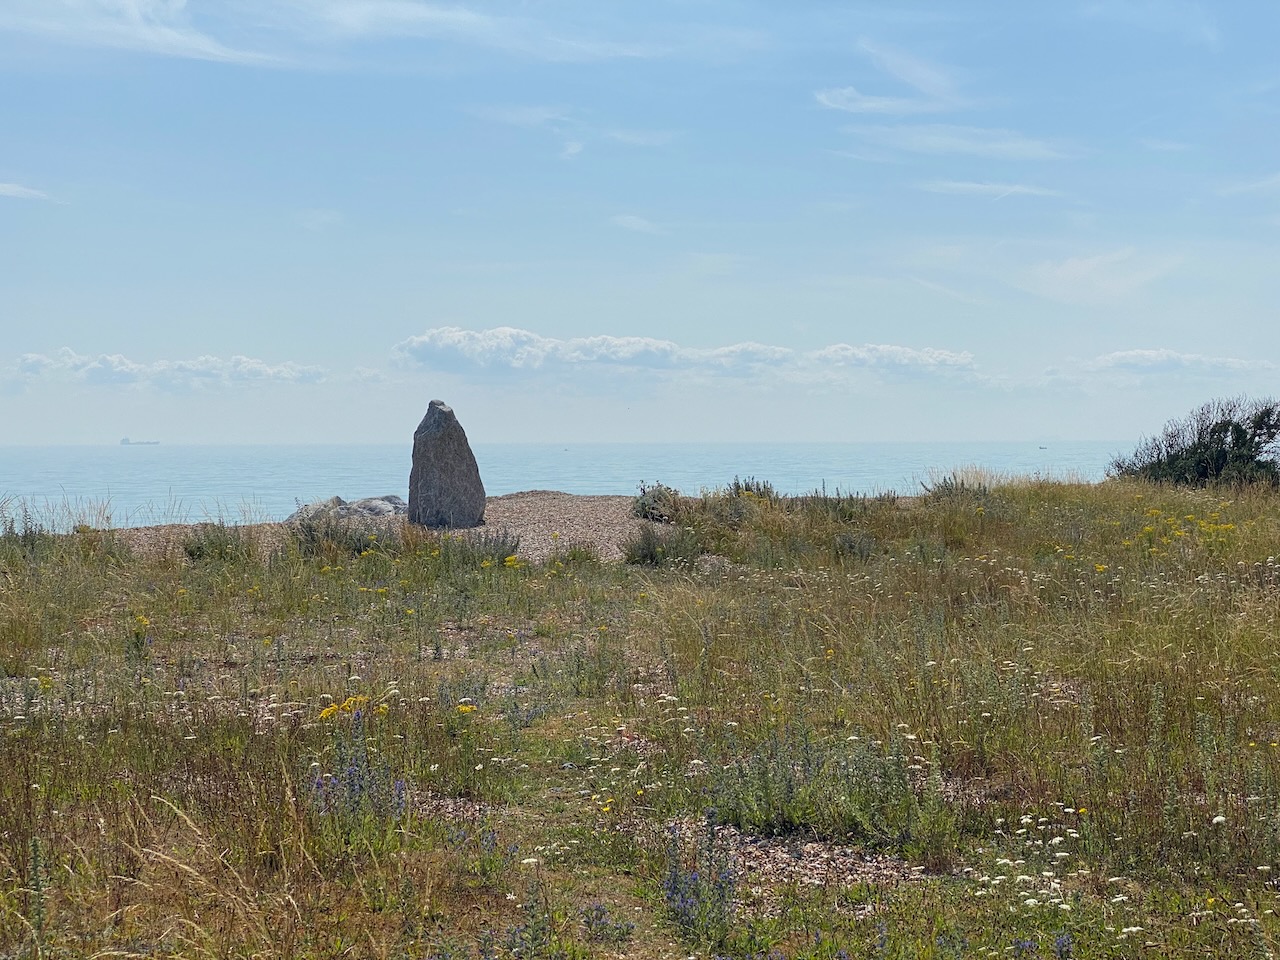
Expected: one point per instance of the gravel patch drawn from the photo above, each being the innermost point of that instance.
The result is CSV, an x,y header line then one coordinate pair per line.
x,y
544,520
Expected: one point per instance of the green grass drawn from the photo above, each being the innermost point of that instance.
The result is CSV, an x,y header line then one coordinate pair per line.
x,y
1027,719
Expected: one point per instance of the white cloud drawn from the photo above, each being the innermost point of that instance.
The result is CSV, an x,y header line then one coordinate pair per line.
x,y
889,355
1163,360
1101,278
571,149
636,224
511,350
997,191
941,138
516,349
165,374
152,26
851,100
19,192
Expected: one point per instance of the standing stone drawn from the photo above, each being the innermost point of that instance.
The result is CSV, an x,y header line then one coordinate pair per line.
x,y
444,482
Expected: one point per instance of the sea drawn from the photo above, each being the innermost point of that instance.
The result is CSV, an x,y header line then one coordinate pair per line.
x,y
138,484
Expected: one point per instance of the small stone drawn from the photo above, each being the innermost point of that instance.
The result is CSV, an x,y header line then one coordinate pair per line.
x,y
444,481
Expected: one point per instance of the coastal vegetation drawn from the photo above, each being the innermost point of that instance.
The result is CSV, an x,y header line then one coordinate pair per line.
x,y
1003,718
1225,441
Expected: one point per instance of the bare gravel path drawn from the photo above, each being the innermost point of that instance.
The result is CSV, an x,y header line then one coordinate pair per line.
x,y
544,520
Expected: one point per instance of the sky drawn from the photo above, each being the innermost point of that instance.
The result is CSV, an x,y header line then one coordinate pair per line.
x,y
300,221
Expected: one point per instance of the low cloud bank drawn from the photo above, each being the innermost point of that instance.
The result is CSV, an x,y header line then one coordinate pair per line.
x,y
114,368
510,349
1171,361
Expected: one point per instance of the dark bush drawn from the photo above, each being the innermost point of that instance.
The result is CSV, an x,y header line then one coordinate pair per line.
x,y
1228,441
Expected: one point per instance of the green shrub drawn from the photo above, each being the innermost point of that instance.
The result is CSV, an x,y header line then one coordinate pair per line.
x,y
855,545
657,502
23,537
660,546
330,538
473,549
217,542
576,553
760,489
956,487
793,782
1231,441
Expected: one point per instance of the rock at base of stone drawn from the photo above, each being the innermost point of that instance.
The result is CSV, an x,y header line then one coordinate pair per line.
x,y
335,508
444,481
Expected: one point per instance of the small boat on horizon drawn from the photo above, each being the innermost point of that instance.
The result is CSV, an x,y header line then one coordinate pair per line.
x,y
126,442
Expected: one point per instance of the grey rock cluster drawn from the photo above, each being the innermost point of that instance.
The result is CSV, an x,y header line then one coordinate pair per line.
x,y
335,508
444,480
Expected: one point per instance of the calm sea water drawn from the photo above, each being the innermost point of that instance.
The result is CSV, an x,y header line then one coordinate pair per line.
x,y
137,485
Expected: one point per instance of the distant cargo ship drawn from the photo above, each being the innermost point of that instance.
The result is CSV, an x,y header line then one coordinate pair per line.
x,y
126,442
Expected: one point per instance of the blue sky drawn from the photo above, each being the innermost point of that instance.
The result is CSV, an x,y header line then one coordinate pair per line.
x,y
302,220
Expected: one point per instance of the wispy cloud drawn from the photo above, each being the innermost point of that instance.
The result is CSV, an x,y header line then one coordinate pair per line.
x,y
165,374
1269,184
941,138
926,77
1183,18
525,36
526,116
178,29
19,192
996,191
160,27
559,121
1163,360
636,224
934,83
852,100
946,291
512,350
1101,278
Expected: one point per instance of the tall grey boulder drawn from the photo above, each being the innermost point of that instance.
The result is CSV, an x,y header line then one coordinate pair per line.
x,y
444,481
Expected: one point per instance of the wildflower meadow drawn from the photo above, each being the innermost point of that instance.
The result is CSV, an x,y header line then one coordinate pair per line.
x,y
1014,718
